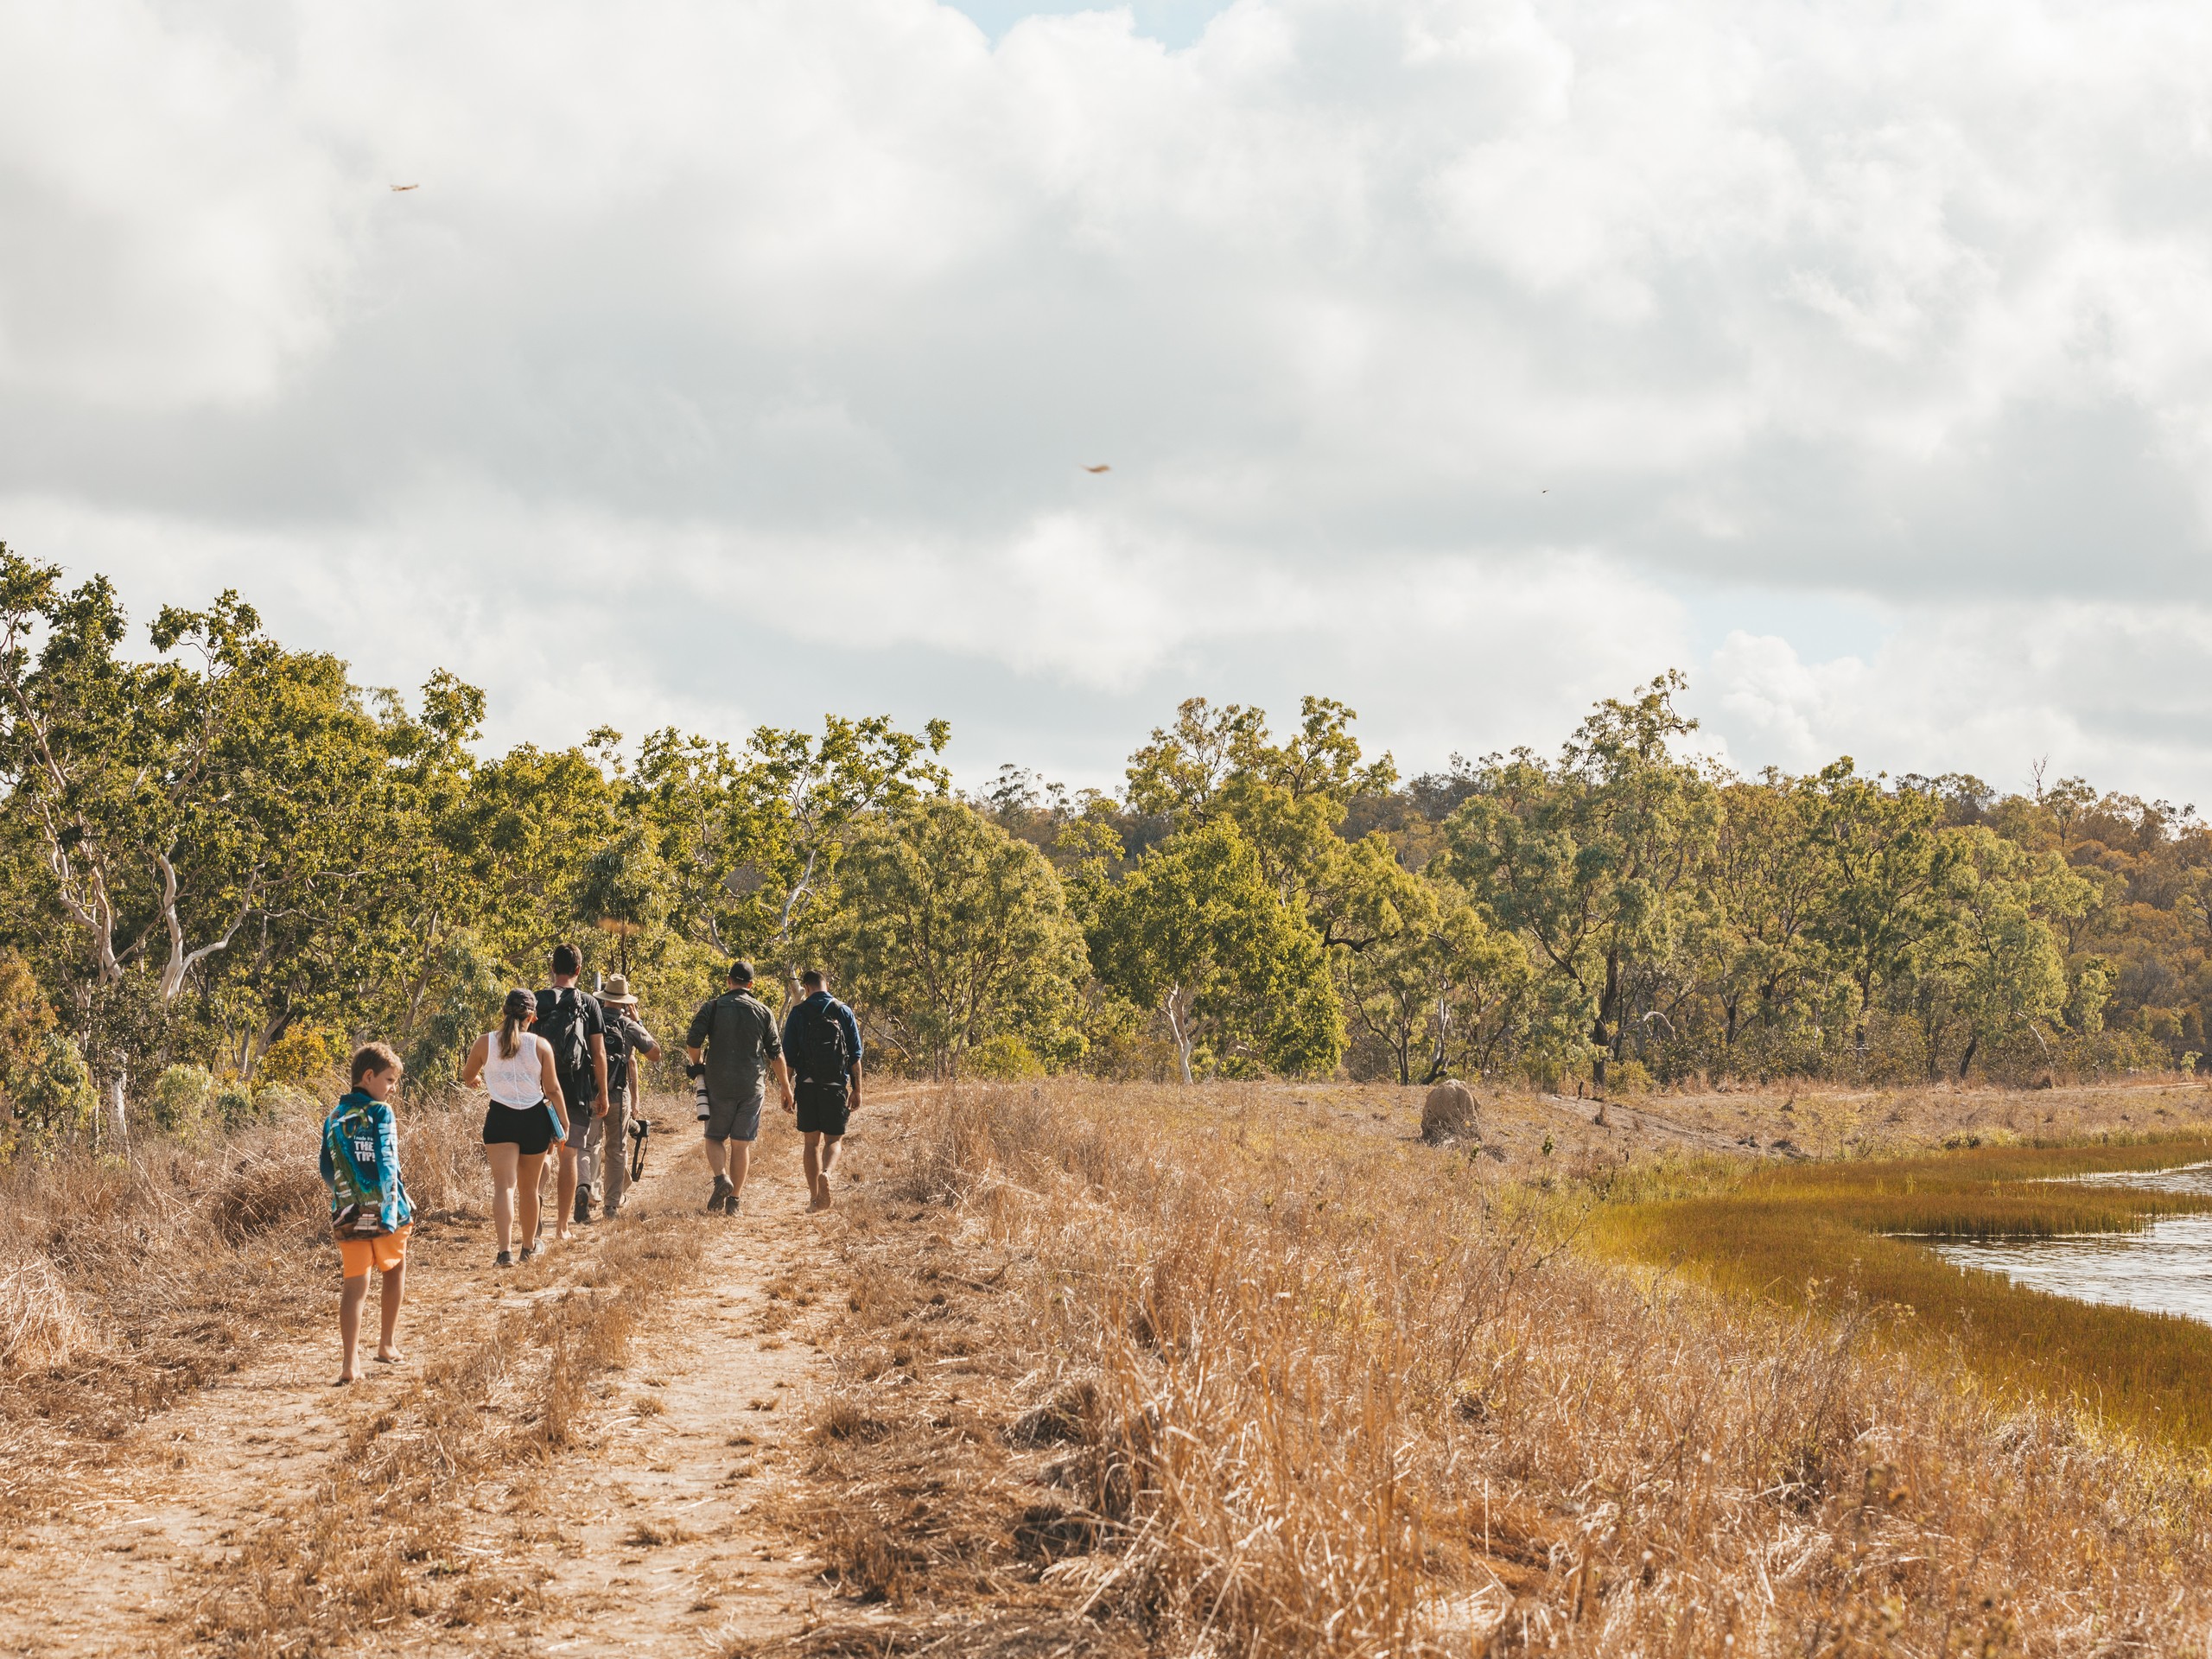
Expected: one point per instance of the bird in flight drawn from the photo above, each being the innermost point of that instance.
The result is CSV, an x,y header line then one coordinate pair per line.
x,y
1102,468
397,188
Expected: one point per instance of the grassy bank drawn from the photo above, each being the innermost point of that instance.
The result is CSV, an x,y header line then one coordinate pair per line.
x,y
1824,1235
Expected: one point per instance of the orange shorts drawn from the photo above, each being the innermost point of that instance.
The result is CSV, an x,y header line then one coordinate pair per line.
x,y
384,1254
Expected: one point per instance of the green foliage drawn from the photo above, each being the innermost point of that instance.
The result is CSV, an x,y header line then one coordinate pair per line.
x,y
183,1104
303,1054
50,1097
1197,932
1005,1057
954,934
1597,860
457,998
217,853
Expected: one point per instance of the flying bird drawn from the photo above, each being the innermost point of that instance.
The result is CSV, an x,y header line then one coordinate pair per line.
x,y
1102,468
397,188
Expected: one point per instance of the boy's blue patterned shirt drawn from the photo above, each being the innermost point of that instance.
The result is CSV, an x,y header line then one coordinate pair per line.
x,y
361,1161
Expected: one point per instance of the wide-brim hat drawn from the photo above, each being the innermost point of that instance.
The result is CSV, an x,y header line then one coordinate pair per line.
x,y
617,991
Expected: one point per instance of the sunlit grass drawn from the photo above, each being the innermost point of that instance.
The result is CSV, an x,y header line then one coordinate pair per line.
x,y
1269,1375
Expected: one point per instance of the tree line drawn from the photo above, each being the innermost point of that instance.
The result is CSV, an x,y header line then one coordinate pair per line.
x,y
222,855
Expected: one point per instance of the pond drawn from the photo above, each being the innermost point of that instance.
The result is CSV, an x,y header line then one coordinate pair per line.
x,y
2166,1268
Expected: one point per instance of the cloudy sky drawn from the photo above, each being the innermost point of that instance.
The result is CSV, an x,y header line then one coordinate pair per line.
x,y
1466,359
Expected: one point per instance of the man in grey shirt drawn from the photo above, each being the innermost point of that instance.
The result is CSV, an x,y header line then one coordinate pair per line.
x,y
734,1041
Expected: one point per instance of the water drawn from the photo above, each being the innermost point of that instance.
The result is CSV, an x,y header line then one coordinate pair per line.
x,y
2167,1268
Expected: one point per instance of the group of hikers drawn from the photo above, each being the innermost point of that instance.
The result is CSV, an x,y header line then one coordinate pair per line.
x,y
562,1072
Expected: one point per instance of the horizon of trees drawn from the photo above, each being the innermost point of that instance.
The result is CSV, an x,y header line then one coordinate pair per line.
x,y
225,861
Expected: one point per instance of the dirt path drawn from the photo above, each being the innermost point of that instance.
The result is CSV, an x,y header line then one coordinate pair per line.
x,y
646,1534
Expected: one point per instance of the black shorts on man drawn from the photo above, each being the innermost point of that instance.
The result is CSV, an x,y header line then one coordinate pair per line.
x,y
822,1108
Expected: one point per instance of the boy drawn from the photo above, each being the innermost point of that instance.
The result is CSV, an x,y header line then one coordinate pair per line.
x,y
369,1210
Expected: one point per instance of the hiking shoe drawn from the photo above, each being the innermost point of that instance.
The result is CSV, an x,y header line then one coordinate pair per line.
x,y
731,1204
528,1250
723,1194
583,1214
504,1259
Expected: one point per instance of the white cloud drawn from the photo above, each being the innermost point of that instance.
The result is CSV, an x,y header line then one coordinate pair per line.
x,y
1435,344
2121,694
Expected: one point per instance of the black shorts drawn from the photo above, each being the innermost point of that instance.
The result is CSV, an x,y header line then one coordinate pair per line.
x,y
528,1128
822,1109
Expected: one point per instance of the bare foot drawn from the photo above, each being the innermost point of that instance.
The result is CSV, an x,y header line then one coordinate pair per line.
x,y
821,1198
391,1358
343,1378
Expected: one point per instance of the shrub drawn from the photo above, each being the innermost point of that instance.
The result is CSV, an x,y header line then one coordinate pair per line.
x,y
234,1106
50,1093
301,1055
281,1101
184,1106
1628,1078
1005,1057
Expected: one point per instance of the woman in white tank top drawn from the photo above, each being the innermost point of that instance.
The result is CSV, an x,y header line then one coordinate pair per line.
x,y
526,1116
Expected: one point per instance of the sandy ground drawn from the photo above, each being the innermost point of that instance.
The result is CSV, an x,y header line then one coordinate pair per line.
x,y
644,1538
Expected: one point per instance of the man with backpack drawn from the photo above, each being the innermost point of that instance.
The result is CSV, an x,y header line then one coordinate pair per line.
x,y
732,1046
822,1043
570,1020
627,1040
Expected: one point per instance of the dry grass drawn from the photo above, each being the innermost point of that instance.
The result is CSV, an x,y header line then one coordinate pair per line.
x,y
41,1324
134,1282
379,1545
1223,1383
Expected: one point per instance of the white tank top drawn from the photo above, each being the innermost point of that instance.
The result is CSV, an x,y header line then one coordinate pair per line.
x,y
519,1081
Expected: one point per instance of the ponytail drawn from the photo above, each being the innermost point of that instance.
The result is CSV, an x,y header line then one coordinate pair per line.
x,y
521,1008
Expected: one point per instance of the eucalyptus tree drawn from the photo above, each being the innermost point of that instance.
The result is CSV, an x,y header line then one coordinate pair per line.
x,y
1882,866
158,809
1196,931
1597,860
752,836
1447,992
1994,966
948,932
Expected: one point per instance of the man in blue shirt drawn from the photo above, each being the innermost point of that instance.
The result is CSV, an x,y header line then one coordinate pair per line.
x,y
821,1045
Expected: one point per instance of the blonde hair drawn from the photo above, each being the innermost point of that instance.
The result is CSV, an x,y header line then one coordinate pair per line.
x,y
521,1008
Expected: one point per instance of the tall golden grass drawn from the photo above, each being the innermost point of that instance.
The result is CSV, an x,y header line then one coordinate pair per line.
x,y
133,1281
1298,1393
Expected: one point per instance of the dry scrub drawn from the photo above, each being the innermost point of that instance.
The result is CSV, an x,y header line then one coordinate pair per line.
x,y
1176,1372
133,1281
383,1547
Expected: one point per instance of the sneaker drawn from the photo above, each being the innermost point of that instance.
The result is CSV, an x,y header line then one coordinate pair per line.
x,y
583,1213
723,1194
528,1250
731,1203
504,1259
